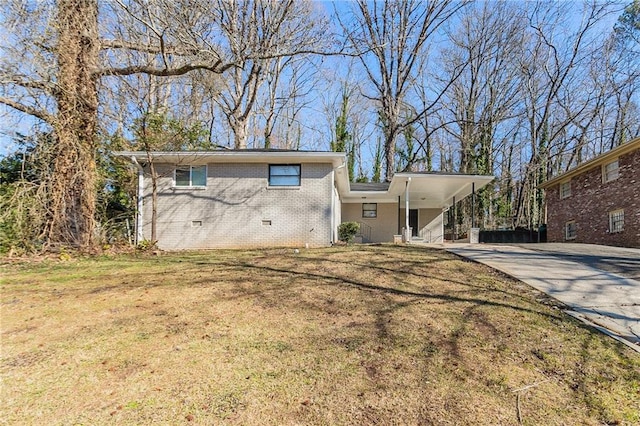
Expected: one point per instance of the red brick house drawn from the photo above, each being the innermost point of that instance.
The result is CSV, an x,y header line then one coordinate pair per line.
x,y
598,201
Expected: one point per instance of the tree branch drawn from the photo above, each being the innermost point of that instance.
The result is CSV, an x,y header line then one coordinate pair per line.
x,y
38,113
45,86
146,48
166,72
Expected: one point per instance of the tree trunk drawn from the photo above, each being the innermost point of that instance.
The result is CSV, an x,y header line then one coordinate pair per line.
x,y
240,133
72,185
390,156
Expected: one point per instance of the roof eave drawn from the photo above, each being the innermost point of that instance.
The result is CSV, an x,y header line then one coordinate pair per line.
x,y
594,162
335,158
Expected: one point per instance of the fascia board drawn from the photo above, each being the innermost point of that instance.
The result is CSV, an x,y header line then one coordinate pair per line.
x,y
335,158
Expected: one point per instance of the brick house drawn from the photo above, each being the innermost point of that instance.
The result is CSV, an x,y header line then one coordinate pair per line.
x,y
252,198
598,201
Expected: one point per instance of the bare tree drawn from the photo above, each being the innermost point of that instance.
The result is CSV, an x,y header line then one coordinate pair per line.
x,y
347,118
289,89
57,82
551,69
257,36
58,52
394,36
481,105
66,98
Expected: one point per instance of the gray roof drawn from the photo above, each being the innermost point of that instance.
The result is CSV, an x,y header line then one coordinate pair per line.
x,y
370,186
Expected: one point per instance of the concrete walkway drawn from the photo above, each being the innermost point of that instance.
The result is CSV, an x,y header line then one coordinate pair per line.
x,y
587,278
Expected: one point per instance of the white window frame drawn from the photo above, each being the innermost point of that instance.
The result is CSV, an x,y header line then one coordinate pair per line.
x,y
570,225
372,209
271,175
565,190
616,221
191,167
610,171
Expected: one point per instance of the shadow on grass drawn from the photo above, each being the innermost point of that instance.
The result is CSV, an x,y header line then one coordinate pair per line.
x,y
394,291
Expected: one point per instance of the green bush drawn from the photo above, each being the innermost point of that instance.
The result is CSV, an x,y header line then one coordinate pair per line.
x,y
348,230
146,245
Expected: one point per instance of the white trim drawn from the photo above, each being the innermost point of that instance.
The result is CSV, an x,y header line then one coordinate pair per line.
x,y
204,157
561,189
610,175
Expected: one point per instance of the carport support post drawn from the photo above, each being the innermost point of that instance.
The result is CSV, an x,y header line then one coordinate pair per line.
x,y
454,219
473,204
406,210
399,217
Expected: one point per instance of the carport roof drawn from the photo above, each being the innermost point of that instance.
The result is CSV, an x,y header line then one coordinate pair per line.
x,y
426,190
369,186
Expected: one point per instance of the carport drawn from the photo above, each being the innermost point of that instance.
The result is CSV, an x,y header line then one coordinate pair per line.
x,y
412,201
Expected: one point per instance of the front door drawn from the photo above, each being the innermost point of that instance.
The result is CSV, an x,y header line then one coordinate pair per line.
x,y
413,221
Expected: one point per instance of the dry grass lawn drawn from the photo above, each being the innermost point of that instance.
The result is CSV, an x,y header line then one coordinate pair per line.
x,y
339,336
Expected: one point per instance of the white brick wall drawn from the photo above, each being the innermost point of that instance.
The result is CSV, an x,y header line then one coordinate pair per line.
x,y
234,204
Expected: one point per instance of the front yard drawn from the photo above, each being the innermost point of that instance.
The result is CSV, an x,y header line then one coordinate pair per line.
x,y
346,335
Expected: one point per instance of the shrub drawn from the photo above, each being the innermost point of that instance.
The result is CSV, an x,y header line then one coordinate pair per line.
x,y
146,245
22,216
348,230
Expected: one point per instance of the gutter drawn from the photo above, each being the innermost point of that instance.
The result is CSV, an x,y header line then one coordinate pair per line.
x,y
334,190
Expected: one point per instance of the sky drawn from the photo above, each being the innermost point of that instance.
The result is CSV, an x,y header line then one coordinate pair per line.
x,y
12,123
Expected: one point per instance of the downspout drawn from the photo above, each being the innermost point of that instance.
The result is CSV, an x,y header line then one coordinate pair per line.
x,y
140,201
332,234
334,191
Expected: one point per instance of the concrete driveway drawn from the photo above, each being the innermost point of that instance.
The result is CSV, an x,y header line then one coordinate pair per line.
x,y
600,285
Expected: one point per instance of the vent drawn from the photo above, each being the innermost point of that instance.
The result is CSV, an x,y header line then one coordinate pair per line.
x,y
266,223
195,223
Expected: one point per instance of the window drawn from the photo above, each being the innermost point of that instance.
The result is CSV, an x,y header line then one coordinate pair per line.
x,y
284,175
188,176
370,210
616,221
570,230
610,171
565,189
